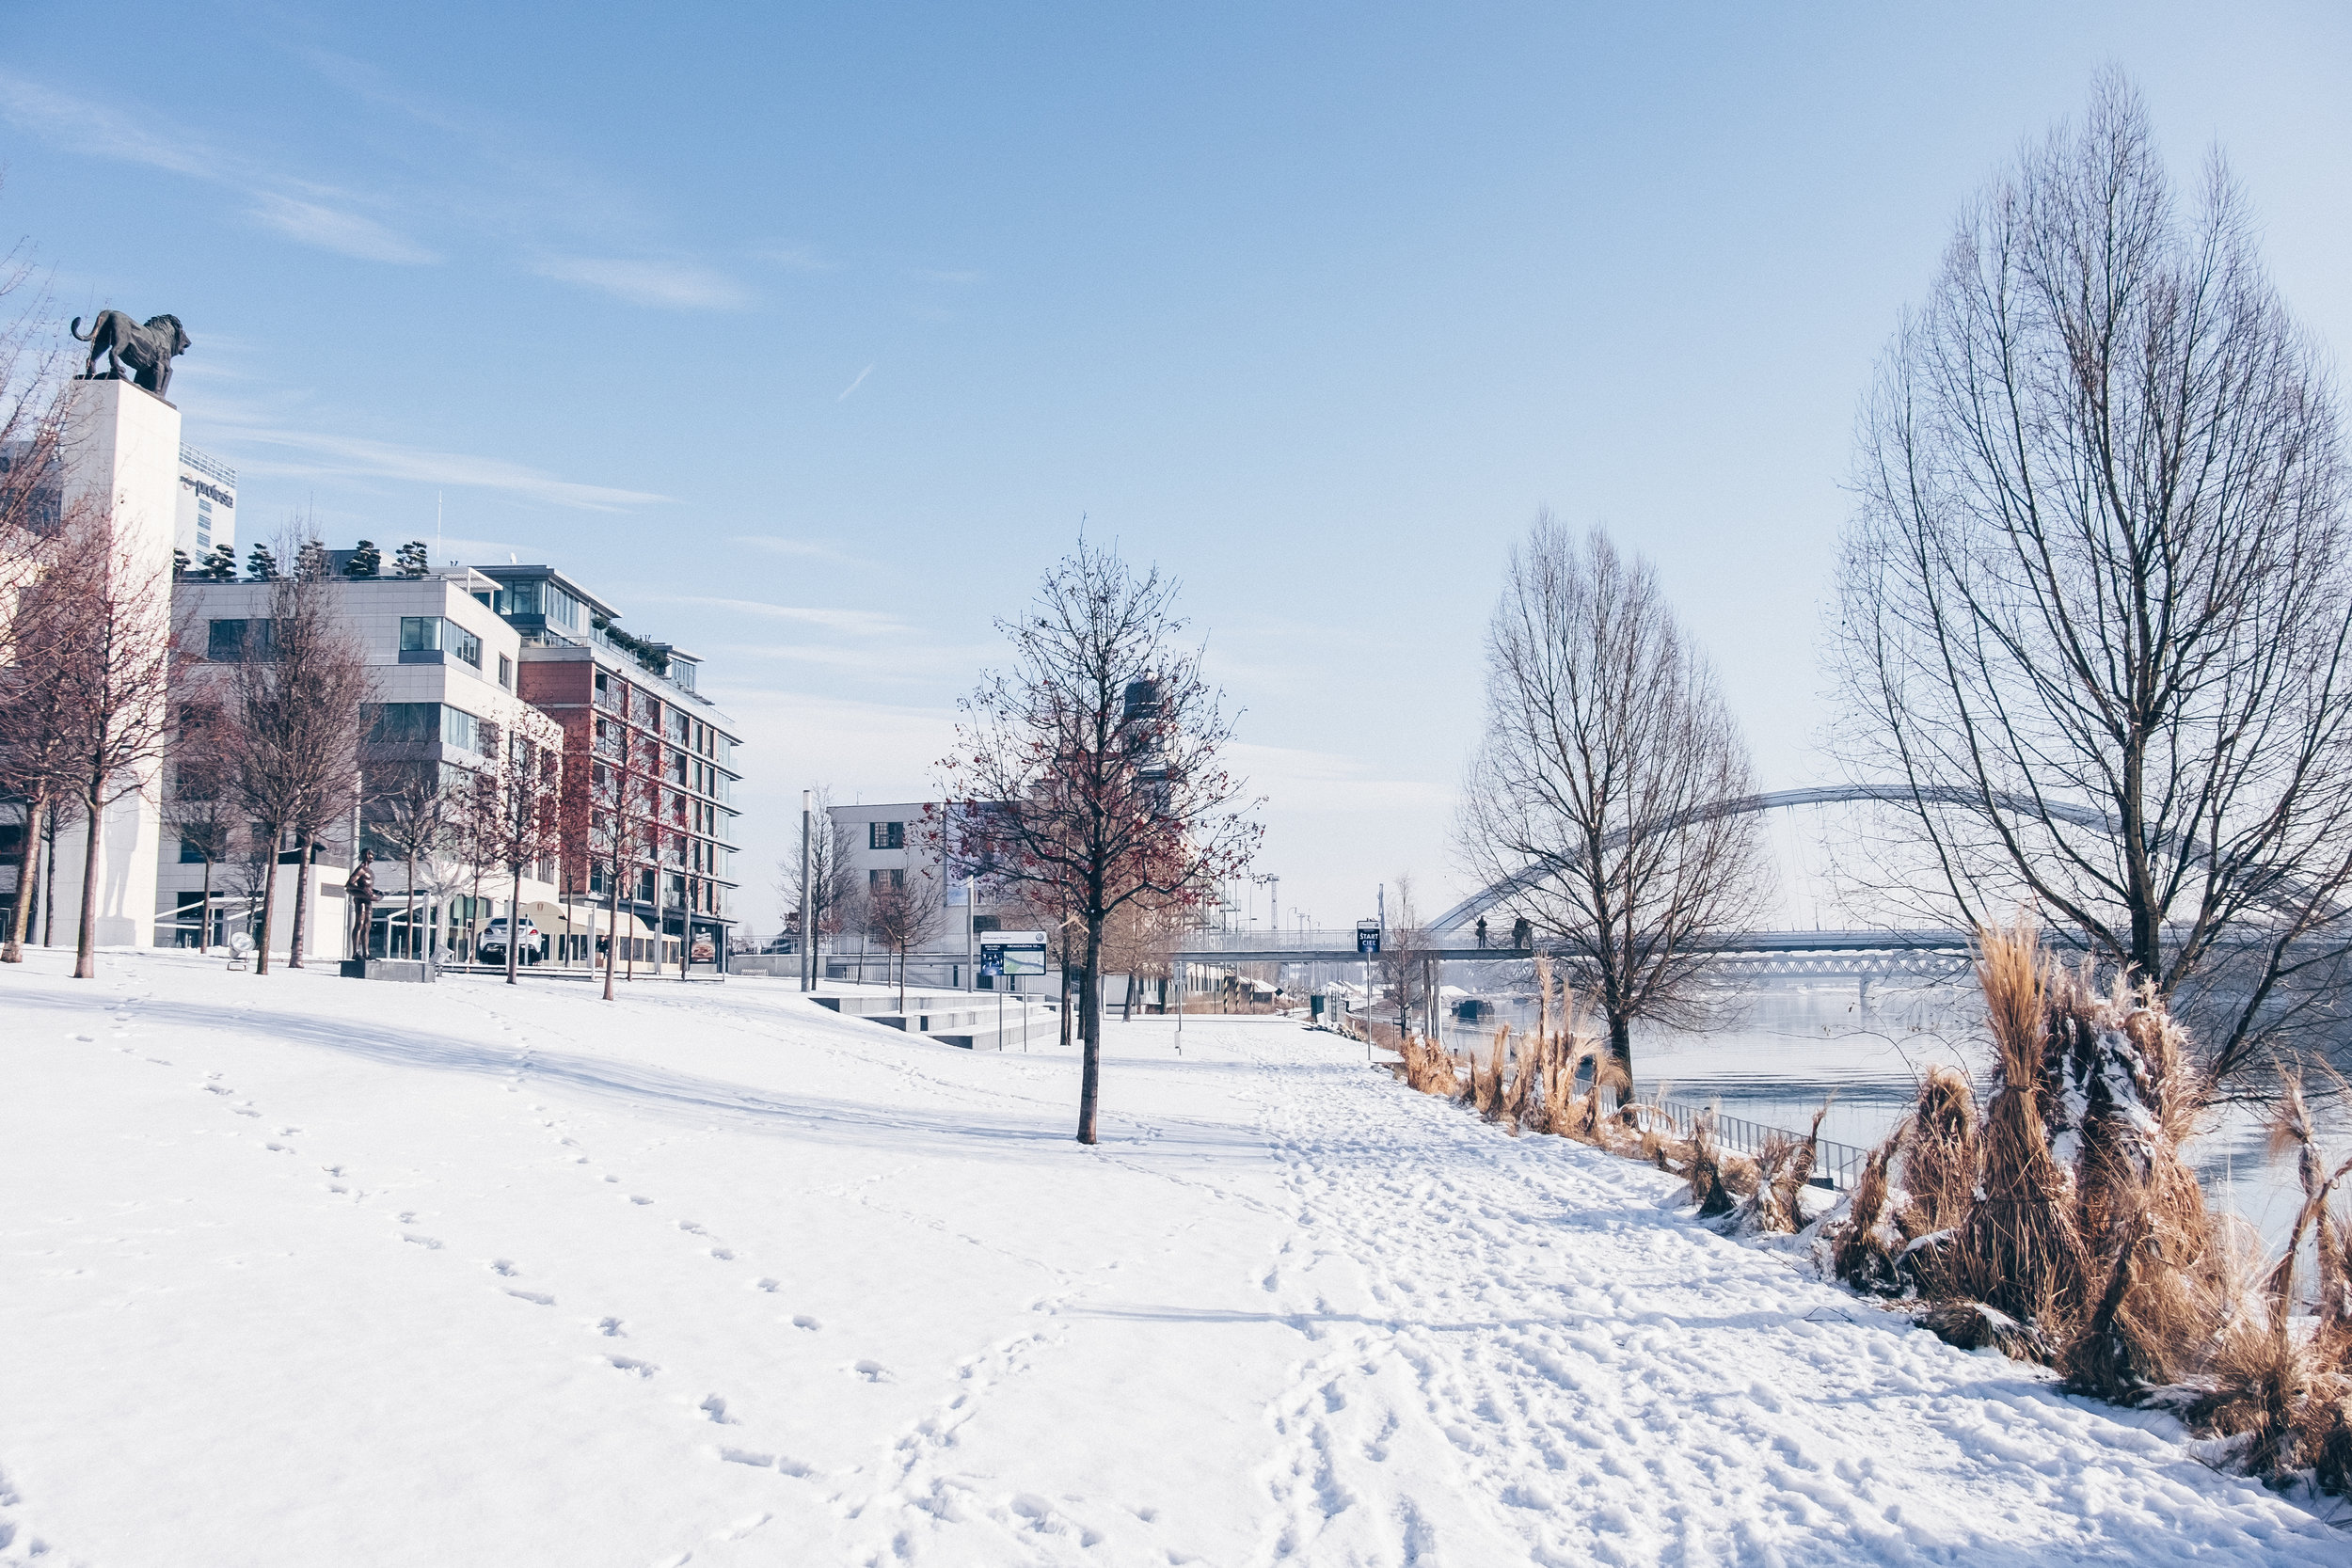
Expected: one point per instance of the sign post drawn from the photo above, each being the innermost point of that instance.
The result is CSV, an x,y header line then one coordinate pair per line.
x,y
1006,956
1368,943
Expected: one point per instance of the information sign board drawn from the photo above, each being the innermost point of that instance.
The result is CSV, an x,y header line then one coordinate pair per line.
x,y
1011,952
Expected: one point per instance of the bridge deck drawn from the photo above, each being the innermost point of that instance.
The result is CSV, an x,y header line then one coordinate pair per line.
x,y
1731,946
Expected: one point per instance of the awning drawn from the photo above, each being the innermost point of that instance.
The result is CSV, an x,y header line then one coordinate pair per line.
x,y
584,918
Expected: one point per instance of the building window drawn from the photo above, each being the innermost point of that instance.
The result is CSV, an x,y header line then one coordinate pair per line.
x,y
885,835
405,724
876,880
506,672
233,642
465,644
419,634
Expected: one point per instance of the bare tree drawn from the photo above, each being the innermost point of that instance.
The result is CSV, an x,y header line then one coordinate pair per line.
x,y
2096,601
301,697
1606,746
523,825
899,915
110,666
622,831
1404,968
32,417
200,810
36,717
1138,942
833,884
1093,770
414,816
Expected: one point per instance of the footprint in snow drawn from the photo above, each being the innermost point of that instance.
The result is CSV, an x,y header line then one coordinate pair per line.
x,y
805,1320
639,1201
503,1267
537,1298
630,1365
715,1409
768,1285
872,1372
425,1242
611,1329
690,1227
723,1255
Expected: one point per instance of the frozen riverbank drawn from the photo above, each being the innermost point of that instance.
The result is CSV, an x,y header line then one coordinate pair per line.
x,y
304,1271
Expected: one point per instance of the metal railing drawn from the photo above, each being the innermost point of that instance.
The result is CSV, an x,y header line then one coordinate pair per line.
x,y
1835,1165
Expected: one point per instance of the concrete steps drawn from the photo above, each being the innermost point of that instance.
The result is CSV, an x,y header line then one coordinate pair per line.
x,y
970,1020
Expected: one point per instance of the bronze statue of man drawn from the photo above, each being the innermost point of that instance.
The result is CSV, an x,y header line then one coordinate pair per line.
x,y
360,889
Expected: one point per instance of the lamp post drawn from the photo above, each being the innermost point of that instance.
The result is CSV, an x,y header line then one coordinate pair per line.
x,y
808,925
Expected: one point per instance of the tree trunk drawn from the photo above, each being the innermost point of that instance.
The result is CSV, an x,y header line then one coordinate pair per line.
x,y
514,923
49,877
204,911
1091,1029
302,899
21,914
1069,1013
408,915
84,956
269,902
611,925
1621,1051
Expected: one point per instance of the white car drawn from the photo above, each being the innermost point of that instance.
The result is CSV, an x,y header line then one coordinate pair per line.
x,y
491,949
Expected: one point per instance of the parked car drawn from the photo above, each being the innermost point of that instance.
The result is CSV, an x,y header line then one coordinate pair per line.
x,y
491,949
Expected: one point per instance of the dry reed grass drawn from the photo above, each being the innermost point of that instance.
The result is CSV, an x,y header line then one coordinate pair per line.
x,y
2061,1223
2065,1224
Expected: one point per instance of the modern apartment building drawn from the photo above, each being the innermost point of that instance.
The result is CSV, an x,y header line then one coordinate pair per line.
x,y
892,844
627,706
446,670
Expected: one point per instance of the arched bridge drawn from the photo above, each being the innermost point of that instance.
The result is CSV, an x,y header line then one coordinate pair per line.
x,y
1841,952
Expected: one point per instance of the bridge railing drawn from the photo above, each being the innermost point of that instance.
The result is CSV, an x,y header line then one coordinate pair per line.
x,y
1241,944
1835,1165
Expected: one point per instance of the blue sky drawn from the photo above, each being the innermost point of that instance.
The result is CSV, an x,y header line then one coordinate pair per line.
x,y
809,336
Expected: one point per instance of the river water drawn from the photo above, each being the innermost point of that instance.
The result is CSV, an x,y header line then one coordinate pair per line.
x,y
1774,1055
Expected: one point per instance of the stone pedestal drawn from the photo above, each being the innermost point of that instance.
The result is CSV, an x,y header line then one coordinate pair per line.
x,y
121,458
412,971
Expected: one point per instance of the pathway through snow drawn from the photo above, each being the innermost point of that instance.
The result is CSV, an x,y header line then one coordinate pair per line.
x,y
306,1271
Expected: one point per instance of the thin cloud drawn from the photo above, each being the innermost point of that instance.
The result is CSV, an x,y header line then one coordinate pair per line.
x,y
668,285
348,455
805,549
346,234
98,131
859,623
854,385
798,258
83,126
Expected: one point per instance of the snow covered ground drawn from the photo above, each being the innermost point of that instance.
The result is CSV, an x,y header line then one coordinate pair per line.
x,y
302,1271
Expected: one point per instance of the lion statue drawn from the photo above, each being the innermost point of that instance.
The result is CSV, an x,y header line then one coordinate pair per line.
x,y
147,350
